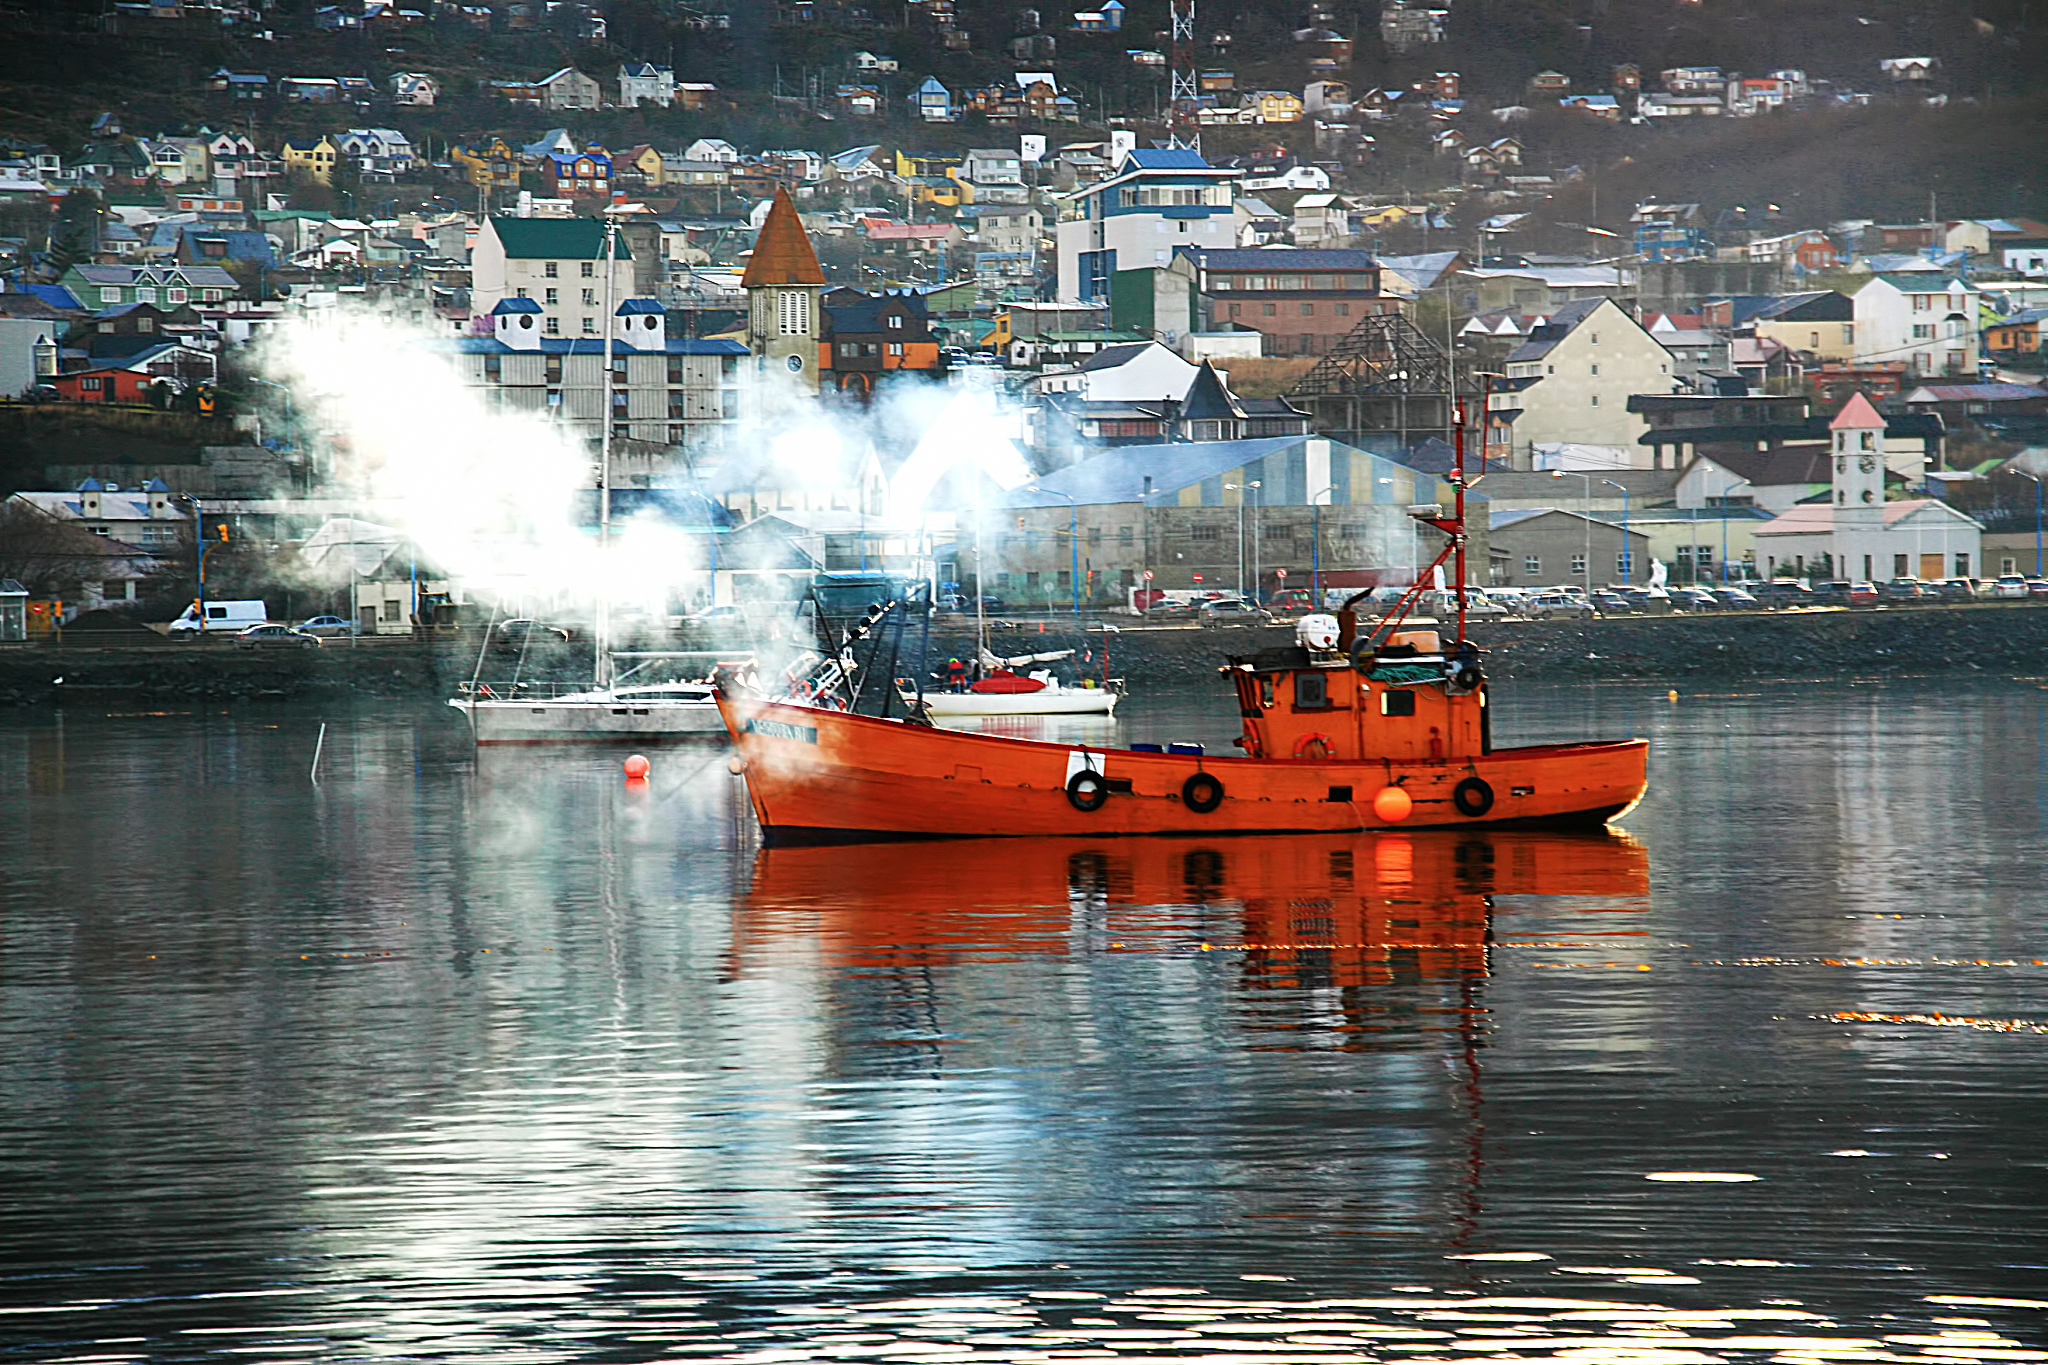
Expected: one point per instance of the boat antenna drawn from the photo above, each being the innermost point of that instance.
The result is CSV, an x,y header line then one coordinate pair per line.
x,y
1458,513
600,662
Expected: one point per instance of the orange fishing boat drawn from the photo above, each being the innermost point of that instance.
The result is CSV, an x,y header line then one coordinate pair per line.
x,y
1347,729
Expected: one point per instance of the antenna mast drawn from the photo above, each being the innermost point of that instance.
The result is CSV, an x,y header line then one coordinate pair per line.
x,y
601,662
1184,88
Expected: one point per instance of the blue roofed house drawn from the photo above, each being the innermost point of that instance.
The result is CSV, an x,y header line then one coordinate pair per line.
x,y
933,102
1326,513
1152,204
199,245
668,391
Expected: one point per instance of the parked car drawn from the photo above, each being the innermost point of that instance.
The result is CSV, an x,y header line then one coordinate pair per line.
x,y
1550,606
2009,586
724,615
1646,601
1863,595
1692,597
1609,603
1954,590
2037,587
1901,590
1739,599
327,625
1834,592
1235,611
1478,606
524,630
1783,592
275,637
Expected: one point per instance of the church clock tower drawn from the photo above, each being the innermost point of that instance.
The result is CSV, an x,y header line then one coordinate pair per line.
x,y
784,286
1857,434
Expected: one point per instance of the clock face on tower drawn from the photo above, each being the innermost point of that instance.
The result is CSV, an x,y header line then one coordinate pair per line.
x,y
796,364
1869,463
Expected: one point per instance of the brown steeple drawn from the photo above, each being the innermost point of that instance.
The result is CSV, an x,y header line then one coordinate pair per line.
x,y
782,251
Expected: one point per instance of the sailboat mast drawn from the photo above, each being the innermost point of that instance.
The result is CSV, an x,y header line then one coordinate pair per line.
x,y
601,660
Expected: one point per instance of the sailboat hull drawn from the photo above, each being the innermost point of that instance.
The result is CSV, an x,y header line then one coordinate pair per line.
x,y
569,721
1063,701
819,775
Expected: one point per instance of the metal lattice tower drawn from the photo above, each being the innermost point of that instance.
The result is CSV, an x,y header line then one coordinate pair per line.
x,y
1385,376
1183,89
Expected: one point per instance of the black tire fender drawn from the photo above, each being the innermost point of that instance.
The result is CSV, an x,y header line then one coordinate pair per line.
x,y
1202,793
1472,797
1087,790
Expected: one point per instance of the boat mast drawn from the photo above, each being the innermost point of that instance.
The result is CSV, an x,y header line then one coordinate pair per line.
x,y
1458,537
980,586
601,660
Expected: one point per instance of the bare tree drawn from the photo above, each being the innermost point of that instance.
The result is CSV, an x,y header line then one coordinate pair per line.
x,y
47,555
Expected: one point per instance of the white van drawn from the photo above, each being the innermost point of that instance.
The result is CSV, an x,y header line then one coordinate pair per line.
x,y
222,618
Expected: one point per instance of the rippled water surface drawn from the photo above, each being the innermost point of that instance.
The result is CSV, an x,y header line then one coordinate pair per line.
x,y
491,1057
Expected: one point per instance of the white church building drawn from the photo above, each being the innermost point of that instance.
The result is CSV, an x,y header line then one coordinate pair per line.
x,y
1858,535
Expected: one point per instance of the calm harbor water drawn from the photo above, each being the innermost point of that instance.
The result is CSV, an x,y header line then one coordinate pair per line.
x,y
458,1056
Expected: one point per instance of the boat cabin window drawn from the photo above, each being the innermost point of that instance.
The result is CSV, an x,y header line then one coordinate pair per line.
x,y
1265,689
1311,691
1393,703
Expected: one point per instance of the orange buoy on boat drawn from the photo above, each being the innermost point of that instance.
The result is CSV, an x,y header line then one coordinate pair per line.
x,y
1392,804
637,766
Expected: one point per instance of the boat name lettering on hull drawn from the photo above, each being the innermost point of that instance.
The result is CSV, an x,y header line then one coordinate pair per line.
x,y
778,729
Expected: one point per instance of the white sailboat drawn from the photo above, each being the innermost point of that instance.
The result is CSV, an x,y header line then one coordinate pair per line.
x,y
613,709
1004,691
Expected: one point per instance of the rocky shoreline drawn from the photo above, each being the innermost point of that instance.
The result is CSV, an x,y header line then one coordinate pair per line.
x,y
1980,639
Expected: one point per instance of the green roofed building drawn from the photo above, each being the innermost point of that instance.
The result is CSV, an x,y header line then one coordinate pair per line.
x,y
559,263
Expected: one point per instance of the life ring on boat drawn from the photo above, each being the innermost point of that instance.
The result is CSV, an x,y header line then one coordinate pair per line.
x,y
1087,790
1201,793
1466,677
1326,746
1472,797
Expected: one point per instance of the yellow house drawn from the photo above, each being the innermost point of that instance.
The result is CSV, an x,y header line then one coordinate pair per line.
x,y
910,165
1386,215
312,161
1279,106
493,165
940,189
643,159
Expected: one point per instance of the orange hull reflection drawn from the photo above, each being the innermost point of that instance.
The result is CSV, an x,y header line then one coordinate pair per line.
x,y
1346,909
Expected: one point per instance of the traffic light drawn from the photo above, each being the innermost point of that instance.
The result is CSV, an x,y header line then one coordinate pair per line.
x,y
223,529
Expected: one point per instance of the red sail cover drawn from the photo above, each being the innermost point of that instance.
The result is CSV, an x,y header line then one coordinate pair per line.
x,y
1007,682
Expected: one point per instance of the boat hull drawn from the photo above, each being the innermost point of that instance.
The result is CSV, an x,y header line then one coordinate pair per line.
x,y
588,722
817,776
1074,701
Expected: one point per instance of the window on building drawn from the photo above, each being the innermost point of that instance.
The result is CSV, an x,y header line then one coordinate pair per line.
x,y
110,295
1205,533
590,326
1343,310
1625,563
91,383
2008,565
590,298
520,292
1596,371
1596,338
895,322
1532,565
1898,566
553,296
1095,535
589,269
210,296
550,269
896,348
554,327
1596,400
144,294
793,314
1922,331
174,296
494,367
1267,310
1962,565
1308,310
1124,535
1578,566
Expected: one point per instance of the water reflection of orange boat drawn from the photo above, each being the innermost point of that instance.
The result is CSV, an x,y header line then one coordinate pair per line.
x,y
1351,909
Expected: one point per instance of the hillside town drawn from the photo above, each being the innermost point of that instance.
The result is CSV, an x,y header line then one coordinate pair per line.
x,y
1231,361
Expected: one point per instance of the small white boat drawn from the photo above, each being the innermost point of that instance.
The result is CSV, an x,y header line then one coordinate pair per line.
x,y
600,716
1050,699
538,713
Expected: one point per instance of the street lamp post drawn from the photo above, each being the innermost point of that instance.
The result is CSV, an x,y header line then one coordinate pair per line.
x,y
1627,556
1241,489
1585,559
1073,541
1315,547
2037,515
